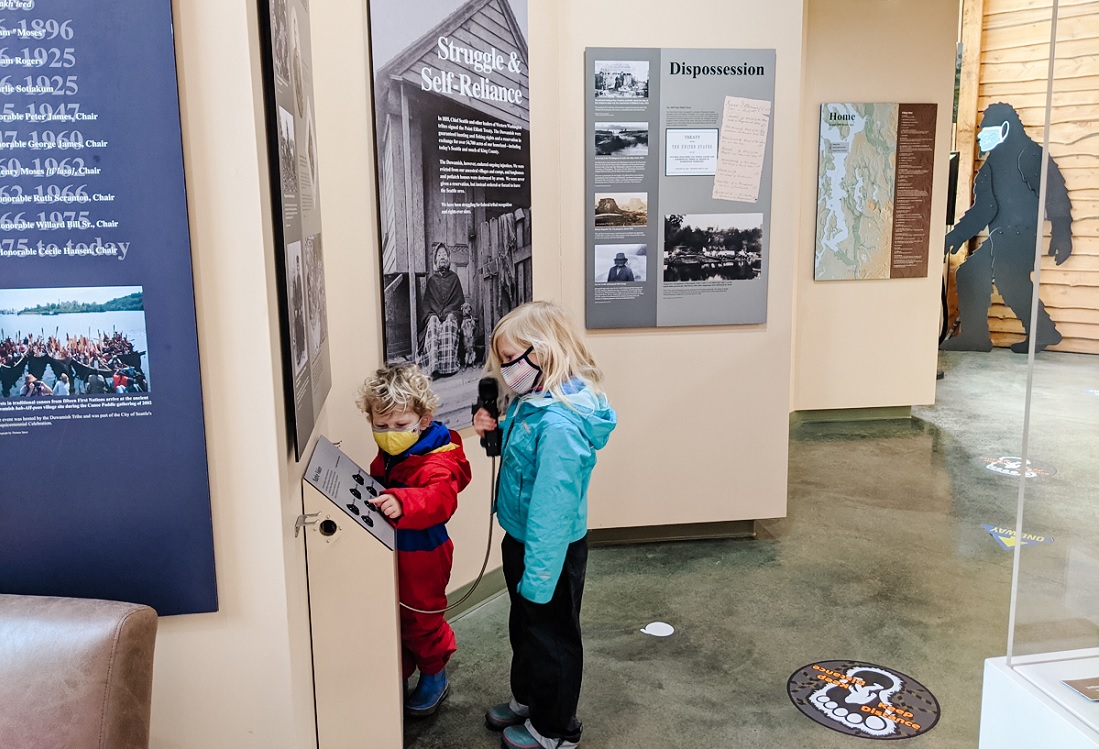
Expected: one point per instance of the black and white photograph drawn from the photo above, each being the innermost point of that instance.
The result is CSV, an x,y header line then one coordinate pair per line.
x,y
621,139
293,157
454,188
296,289
288,153
621,79
713,247
297,67
620,263
73,341
280,40
621,209
316,303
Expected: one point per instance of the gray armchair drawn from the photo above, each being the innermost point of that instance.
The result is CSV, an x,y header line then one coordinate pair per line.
x,y
75,673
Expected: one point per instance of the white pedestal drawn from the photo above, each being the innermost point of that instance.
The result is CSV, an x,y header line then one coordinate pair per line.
x,y
356,633
1028,706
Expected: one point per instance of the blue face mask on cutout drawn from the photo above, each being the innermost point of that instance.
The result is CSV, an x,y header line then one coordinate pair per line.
x,y
990,137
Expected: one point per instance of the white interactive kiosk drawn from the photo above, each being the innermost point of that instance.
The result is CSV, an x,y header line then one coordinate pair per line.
x,y
353,606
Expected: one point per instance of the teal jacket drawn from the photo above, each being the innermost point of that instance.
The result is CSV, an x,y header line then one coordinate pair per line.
x,y
547,459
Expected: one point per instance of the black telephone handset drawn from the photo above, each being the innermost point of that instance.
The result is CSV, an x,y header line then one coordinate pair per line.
x,y
488,393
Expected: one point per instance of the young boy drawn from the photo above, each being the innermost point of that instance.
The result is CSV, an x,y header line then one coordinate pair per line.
x,y
423,466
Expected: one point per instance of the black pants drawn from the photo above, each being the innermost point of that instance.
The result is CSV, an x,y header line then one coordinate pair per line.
x,y
547,661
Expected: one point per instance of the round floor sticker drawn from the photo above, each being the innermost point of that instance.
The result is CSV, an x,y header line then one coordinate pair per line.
x,y
1012,466
864,700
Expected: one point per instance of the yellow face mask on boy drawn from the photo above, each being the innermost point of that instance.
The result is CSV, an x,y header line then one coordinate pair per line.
x,y
396,441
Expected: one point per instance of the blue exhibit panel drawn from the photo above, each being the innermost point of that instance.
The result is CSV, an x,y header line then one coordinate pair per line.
x,y
106,490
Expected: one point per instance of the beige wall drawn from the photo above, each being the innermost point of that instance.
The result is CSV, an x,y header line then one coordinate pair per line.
x,y
703,411
241,677
862,344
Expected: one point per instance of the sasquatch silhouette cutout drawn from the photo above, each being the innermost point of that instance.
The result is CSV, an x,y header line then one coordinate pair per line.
x,y
1005,199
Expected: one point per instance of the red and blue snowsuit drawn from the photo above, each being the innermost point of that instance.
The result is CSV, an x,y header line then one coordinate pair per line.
x,y
426,479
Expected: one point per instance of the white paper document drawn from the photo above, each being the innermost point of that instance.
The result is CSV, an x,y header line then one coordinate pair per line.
x,y
744,127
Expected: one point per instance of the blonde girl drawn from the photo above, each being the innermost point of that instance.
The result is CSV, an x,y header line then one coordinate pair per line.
x,y
557,418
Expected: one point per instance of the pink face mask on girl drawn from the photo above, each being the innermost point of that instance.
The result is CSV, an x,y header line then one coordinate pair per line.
x,y
520,374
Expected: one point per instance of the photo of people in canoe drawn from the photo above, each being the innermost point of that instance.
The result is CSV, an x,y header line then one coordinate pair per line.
x,y
72,341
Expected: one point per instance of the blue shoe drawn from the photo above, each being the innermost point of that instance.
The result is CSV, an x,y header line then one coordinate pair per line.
x,y
429,693
508,714
525,737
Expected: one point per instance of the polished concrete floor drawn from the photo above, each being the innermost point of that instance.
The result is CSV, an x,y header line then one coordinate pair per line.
x,y
882,558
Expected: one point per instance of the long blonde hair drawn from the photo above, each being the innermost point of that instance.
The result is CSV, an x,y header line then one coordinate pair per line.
x,y
556,340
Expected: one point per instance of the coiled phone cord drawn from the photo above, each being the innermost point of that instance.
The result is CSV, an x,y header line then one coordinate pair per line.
x,y
484,565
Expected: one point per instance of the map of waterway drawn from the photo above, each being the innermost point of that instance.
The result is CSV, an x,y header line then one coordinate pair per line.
x,y
855,191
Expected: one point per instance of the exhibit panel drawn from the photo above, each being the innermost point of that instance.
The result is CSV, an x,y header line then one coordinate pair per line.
x,y
874,190
1051,670
453,154
296,202
101,413
679,162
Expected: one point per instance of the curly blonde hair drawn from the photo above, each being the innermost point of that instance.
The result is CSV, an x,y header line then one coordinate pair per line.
x,y
402,387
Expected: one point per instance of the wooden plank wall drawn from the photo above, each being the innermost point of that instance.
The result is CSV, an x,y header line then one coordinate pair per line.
x,y
1012,66
504,244
488,29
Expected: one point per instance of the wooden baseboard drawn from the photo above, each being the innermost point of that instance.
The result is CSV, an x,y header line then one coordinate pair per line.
x,y
885,413
680,532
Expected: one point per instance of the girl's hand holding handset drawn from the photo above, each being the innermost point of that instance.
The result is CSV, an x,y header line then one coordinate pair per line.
x,y
482,422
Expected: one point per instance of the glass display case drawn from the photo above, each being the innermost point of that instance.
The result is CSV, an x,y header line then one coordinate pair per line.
x,y
1046,689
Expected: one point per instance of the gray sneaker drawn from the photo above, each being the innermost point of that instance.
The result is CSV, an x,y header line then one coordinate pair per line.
x,y
526,737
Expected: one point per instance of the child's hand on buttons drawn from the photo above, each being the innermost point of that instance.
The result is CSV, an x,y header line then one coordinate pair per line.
x,y
482,422
389,506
